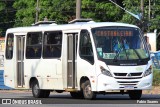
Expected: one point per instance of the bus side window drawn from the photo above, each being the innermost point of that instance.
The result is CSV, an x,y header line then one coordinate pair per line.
x,y
34,45
9,46
86,51
52,44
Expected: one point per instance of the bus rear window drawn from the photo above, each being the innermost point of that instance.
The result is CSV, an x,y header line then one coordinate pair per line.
x,y
9,46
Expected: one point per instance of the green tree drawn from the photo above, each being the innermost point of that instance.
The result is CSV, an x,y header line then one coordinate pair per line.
x,y
101,10
25,14
149,22
63,11
154,17
2,6
133,7
6,16
58,10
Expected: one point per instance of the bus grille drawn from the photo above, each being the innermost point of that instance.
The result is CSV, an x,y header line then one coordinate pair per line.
x,y
128,79
128,74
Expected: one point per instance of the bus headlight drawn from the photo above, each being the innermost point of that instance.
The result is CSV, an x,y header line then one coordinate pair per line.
x,y
147,72
105,72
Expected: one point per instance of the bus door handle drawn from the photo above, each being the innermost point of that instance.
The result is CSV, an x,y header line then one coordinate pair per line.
x,y
6,76
25,75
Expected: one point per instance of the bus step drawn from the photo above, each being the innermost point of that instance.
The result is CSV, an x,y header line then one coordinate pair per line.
x,y
71,89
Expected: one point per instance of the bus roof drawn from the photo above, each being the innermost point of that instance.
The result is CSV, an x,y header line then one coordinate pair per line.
x,y
66,27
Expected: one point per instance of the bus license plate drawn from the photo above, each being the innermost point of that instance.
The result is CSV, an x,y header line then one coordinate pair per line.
x,y
129,87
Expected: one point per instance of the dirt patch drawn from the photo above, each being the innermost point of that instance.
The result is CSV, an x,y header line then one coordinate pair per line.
x,y
155,90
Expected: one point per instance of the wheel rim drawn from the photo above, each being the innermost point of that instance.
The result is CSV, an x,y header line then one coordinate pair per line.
x,y
35,89
88,91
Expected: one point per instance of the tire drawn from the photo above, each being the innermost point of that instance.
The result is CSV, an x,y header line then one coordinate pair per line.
x,y
77,95
87,91
135,94
46,93
36,91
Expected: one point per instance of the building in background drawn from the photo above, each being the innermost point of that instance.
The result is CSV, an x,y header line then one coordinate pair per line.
x,y
153,40
2,53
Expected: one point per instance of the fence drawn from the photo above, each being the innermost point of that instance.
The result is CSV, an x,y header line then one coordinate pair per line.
x,y
156,59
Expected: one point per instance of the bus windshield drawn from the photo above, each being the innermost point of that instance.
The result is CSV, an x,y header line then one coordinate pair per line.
x,y
120,43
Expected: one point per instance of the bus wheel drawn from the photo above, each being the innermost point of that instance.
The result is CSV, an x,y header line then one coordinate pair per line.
x,y
87,91
36,91
135,94
77,94
46,93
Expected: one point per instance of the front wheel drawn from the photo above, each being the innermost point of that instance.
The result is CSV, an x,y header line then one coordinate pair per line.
x,y
87,91
135,94
36,91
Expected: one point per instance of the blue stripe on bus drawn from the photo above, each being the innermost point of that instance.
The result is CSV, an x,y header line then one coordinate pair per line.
x,y
2,86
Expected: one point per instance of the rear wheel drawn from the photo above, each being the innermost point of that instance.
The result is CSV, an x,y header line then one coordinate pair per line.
x,y
135,94
87,91
77,94
46,93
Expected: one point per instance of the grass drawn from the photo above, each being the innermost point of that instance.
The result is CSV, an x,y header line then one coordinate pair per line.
x,y
156,77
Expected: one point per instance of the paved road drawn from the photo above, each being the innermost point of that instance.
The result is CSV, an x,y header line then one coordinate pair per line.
x,y
65,100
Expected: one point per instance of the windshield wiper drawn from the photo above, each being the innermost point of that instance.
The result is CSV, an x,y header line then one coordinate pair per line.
x,y
140,60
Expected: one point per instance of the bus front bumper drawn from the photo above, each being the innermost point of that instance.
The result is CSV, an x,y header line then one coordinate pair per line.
x,y
105,83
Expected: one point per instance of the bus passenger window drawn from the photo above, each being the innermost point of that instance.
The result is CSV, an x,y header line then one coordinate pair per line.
x,y
86,51
52,44
34,45
9,46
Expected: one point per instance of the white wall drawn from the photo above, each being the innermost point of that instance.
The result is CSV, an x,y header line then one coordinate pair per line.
x,y
152,41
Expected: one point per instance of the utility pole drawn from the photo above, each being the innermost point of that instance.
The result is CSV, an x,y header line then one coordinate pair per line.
x,y
78,9
37,11
142,14
149,11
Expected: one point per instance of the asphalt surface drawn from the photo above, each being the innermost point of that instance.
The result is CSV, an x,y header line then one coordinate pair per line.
x,y
65,100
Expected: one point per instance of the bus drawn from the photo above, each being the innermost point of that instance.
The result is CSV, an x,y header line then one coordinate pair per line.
x,y
84,58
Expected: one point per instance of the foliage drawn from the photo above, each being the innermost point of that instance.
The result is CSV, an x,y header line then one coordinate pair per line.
x,y
6,16
101,11
131,6
63,11
58,10
156,77
2,6
25,12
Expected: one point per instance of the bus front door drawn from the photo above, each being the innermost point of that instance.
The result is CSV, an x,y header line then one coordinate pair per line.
x,y
20,58
72,60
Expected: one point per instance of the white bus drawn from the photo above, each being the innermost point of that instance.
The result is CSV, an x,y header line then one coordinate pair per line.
x,y
83,58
